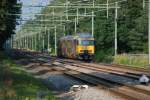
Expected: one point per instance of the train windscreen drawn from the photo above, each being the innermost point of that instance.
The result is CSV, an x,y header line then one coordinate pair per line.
x,y
87,42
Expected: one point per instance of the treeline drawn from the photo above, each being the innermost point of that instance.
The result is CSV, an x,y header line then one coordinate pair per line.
x,y
132,28
7,21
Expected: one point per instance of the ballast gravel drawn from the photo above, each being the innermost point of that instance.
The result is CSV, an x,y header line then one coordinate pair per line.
x,y
91,93
61,87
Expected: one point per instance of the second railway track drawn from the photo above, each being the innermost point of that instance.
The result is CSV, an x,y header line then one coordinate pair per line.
x,y
128,91
132,71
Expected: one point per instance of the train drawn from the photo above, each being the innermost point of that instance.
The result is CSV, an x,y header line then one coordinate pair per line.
x,y
81,46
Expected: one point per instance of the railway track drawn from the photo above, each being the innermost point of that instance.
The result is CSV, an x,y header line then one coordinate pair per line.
x,y
131,71
130,92
131,68
125,72
147,70
122,89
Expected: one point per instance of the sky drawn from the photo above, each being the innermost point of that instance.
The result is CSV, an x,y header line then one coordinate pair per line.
x,y
29,10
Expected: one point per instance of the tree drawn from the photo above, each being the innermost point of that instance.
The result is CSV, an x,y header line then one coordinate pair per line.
x,y
7,22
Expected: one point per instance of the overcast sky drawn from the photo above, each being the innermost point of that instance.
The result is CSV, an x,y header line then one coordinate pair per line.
x,y
30,10
26,10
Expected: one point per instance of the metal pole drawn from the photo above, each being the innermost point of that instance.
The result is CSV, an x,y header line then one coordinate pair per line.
x,y
143,4
149,29
107,8
77,15
93,3
27,42
116,16
35,43
92,23
43,42
93,18
32,38
48,40
75,25
64,30
61,20
67,9
39,42
55,41
24,42
85,11
30,43
44,35
53,15
20,43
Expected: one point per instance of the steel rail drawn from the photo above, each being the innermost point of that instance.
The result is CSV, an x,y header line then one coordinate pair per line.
x,y
97,80
142,71
103,82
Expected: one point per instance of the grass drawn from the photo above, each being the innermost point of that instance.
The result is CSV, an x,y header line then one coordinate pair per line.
x,y
125,59
16,84
133,60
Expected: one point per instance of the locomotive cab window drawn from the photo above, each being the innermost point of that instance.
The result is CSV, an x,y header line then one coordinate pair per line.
x,y
87,42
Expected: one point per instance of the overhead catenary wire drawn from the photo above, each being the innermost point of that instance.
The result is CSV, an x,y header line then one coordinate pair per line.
x,y
66,20
88,13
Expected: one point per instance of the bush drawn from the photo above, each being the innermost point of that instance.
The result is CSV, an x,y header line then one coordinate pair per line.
x,y
101,56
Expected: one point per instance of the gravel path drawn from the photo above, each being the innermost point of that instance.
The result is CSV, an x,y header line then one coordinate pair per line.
x,y
96,94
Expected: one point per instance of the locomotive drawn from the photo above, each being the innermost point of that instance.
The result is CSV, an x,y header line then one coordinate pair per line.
x,y
80,46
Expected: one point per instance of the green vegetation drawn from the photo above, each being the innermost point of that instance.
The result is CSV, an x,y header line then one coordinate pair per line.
x,y
132,28
16,84
133,60
7,22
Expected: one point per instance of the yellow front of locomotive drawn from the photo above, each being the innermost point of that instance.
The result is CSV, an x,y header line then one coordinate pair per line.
x,y
85,48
